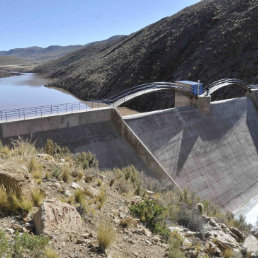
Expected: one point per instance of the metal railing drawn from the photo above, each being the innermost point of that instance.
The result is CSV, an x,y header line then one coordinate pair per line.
x,y
147,86
40,111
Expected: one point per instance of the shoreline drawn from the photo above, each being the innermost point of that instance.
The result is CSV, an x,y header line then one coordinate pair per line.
x,y
5,74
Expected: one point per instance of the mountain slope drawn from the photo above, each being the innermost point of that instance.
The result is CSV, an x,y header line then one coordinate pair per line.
x,y
40,54
208,41
13,60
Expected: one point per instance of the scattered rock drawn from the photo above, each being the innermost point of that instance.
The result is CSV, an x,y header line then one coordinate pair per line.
x,y
46,157
55,216
76,186
239,235
67,193
88,179
250,246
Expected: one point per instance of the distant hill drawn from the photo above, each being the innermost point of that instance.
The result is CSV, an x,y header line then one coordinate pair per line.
x,y
13,60
40,54
210,40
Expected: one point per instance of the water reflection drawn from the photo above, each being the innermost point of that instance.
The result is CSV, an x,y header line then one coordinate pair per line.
x,y
27,90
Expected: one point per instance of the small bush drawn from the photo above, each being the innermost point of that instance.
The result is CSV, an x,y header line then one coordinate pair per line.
x,y
105,235
5,150
175,239
54,149
79,196
190,219
49,147
101,197
35,168
24,147
128,222
9,202
87,160
26,204
50,253
79,176
3,244
149,212
26,245
122,186
37,196
175,253
66,175
99,182
228,253
57,171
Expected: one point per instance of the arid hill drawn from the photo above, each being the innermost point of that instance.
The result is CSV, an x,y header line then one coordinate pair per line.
x,y
39,54
209,40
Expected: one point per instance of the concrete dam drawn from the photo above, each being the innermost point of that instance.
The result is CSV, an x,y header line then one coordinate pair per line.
x,y
215,154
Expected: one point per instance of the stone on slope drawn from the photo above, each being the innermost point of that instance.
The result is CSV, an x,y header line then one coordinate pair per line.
x,y
54,216
250,246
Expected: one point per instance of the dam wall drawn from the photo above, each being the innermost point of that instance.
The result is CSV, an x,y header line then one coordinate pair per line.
x,y
215,155
103,132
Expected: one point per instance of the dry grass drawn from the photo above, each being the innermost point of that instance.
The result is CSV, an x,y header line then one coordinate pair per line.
x,y
23,147
66,174
99,182
79,196
5,150
128,222
37,196
105,235
79,176
9,202
228,253
101,198
35,168
50,253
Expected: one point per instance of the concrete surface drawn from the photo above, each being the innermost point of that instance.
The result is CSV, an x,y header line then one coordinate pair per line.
x,y
204,104
141,150
253,95
182,100
216,155
103,132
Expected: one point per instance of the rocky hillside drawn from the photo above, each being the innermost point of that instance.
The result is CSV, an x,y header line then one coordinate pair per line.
x,y
57,204
210,40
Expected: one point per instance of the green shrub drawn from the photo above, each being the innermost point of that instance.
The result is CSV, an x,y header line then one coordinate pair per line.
x,y
26,245
175,253
87,160
3,244
57,171
149,212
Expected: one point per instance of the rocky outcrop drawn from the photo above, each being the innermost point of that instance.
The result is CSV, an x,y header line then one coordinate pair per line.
x,y
54,216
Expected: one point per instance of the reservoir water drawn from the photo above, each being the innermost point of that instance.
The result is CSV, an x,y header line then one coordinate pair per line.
x,y
27,90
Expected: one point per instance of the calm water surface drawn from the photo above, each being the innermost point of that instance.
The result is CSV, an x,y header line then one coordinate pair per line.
x,y
27,90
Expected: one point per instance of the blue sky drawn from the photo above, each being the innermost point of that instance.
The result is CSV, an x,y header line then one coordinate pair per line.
x,y
26,23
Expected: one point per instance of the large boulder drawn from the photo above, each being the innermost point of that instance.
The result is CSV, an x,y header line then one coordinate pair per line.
x,y
54,216
250,246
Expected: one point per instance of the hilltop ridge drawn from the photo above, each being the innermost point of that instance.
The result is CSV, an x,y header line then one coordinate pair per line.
x,y
209,40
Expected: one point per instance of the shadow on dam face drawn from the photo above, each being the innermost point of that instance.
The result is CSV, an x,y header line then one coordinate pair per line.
x,y
215,156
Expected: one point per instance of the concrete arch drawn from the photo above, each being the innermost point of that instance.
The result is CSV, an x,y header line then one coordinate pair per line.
x,y
137,91
217,85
